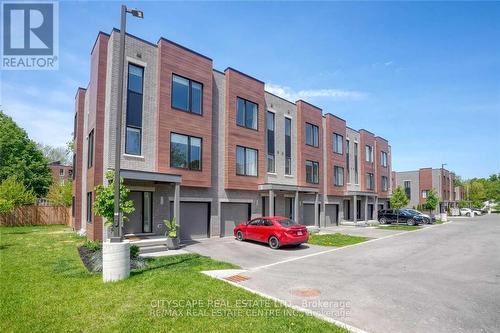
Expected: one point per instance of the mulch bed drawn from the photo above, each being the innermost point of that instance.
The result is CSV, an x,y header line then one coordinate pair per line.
x,y
86,256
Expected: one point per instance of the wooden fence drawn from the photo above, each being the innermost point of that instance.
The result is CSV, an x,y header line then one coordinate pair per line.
x,y
37,215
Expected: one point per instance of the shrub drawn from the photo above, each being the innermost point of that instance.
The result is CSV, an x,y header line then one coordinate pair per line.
x,y
61,194
92,245
13,193
134,251
171,228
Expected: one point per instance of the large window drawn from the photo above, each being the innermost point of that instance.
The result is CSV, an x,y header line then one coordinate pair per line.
x,y
187,95
89,207
385,184
369,181
246,113
246,161
338,143
383,158
312,135
347,162
288,146
312,172
90,150
407,186
133,132
369,154
271,161
356,164
338,176
185,151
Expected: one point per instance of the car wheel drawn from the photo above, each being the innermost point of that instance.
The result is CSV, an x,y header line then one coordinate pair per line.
x,y
383,220
410,222
274,243
239,235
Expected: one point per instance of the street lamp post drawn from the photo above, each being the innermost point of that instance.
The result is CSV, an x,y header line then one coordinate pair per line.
x,y
117,221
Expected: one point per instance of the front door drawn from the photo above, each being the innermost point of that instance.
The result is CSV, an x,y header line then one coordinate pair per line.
x,y
358,209
289,203
141,220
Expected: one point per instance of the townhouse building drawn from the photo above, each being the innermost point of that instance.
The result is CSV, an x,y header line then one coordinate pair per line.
x,y
418,183
61,173
214,148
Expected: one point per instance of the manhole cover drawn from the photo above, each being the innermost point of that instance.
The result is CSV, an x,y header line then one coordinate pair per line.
x,y
305,292
237,278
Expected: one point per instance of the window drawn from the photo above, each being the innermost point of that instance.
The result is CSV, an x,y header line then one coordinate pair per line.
x,y
70,173
185,151
187,95
73,206
246,161
347,162
383,158
369,153
90,150
270,142
246,113
356,178
312,135
288,146
369,181
134,110
338,176
425,193
385,184
89,207
74,166
407,186
338,142
61,172
312,172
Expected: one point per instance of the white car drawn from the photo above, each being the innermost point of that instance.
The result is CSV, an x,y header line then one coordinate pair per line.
x,y
466,212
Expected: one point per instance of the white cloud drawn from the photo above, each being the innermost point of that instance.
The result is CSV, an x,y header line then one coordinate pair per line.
x,y
336,94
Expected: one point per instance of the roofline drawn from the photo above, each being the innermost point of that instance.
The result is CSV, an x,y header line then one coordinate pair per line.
x,y
134,36
95,42
362,129
286,100
379,137
218,71
332,115
78,89
352,129
184,48
314,106
249,76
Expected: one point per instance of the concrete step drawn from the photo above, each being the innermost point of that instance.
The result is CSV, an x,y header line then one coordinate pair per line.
x,y
153,248
149,242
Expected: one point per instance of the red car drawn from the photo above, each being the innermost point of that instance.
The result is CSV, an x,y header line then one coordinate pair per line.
x,y
274,230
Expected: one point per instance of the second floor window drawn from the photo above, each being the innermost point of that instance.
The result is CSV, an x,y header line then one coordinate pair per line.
x,y
338,143
90,150
347,162
312,135
338,176
312,172
288,146
187,95
246,161
383,158
246,113
89,207
270,142
407,186
133,131
369,153
369,181
356,163
185,151
385,184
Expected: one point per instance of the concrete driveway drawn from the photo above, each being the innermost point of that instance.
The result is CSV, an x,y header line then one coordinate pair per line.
x,y
444,278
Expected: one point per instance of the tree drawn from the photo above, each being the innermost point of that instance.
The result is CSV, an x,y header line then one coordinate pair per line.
x,y
61,194
398,200
105,200
54,154
431,201
13,193
20,158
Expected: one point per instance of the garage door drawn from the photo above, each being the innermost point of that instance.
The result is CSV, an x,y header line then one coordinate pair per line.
x,y
308,214
233,214
195,219
331,214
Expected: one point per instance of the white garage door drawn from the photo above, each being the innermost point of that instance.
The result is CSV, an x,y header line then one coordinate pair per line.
x,y
232,214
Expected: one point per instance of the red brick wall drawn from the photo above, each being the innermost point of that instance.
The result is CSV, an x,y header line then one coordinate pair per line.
x,y
338,126
366,138
307,113
173,59
55,170
425,182
382,145
78,148
240,85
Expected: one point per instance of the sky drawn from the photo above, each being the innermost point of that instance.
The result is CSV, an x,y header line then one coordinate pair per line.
x,y
425,76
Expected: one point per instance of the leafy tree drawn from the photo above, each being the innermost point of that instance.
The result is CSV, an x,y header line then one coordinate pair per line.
x,y
61,194
54,154
20,158
13,193
462,204
431,201
399,200
105,200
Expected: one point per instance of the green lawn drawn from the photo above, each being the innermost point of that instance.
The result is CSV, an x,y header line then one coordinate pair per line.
x,y
45,287
336,239
399,227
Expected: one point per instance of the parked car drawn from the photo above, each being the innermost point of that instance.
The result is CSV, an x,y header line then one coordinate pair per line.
x,y
466,212
427,219
276,231
477,211
403,215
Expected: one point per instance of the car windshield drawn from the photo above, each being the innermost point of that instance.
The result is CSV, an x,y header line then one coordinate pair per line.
x,y
413,211
410,211
287,222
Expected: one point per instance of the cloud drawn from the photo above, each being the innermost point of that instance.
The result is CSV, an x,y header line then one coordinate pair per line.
x,y
388,63
335,94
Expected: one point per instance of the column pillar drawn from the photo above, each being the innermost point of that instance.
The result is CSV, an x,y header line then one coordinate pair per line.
x,y
296,207
271,203
177,203
355,208
375,208
316,213
366,208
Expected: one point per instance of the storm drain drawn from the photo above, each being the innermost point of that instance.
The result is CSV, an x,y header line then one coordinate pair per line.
x,y
305,292
237,278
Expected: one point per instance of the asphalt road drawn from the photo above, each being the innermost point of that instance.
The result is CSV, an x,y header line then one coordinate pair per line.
x,y
445,278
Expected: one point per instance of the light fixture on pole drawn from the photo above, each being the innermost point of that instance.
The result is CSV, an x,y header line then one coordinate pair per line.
x,y
117,221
